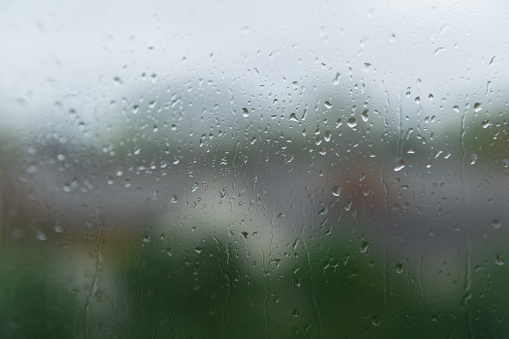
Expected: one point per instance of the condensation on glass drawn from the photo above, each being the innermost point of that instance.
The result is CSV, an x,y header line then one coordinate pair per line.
x,y
249,170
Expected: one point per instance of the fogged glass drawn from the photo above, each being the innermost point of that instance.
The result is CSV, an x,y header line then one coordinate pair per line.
x,y
254,169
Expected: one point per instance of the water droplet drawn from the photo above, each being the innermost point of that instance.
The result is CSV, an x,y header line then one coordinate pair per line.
x,y
364,247
327,136
293,117
328,105
60,157
348,206
336,191
417,100
364,115
499,261
428,162
399,164
245,112
336,79
243,236
486,123
32,169
477,107
473,159
398,268
352,122
496,224
40,235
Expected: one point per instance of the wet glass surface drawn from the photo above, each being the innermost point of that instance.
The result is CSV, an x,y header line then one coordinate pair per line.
x,y
193,169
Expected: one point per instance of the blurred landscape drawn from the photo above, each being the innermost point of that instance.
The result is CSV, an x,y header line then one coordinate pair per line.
x,y
246,176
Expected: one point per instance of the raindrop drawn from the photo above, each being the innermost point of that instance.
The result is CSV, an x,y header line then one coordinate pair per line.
x,y
364,247
293,117
399,268
496,224
328,105
40,235
336,191
477,107
243,236
352,122
486,123
327,136
498,260
399,164
336,79
364,115
473,159
32,169
245,112
428,162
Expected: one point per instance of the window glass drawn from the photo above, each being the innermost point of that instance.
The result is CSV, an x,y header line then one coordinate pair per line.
x,y
254,169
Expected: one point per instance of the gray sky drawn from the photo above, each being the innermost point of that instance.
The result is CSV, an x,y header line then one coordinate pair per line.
x,y
72,52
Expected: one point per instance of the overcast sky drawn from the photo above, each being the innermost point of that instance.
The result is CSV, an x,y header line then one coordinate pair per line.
x,y
87,53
